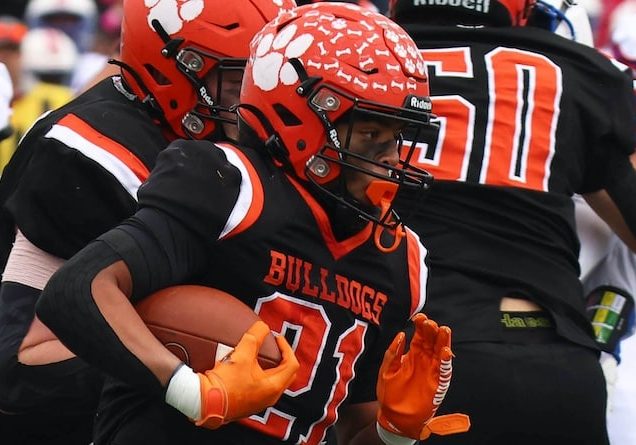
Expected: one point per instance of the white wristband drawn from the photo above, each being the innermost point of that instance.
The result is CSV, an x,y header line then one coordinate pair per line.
x,y
392,439
184,392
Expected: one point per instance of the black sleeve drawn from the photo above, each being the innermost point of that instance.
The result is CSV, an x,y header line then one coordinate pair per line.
x,y
184,207
158,250
621,187
623,113
158,253
194,183
62,199
66,306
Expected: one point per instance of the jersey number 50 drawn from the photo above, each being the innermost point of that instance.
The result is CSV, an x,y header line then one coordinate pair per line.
x,y
524,92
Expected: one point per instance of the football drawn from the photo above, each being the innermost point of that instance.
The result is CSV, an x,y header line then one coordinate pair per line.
x,y
201,325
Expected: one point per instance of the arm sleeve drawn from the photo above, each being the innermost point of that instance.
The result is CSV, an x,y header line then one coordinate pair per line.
x,y
613,133
195,184
67,307
184,206
620,184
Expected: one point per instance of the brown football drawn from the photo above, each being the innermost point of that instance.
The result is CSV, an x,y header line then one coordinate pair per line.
x,y
200,325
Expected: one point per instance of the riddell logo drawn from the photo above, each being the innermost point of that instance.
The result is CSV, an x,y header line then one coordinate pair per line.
x,y
206,97
333,135
419,103
474,5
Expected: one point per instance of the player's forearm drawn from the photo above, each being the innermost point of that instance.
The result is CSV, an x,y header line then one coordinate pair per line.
x,y
121,316
607,209
100,330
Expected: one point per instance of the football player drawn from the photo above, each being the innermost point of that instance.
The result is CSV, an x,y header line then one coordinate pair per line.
x,y
527,119
613,266
297,222
608,266
76,174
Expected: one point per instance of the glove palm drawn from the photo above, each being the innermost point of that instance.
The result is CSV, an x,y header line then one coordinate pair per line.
x,y
411,386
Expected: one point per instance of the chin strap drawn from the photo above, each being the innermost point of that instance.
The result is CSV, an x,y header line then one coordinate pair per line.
x,y
381,194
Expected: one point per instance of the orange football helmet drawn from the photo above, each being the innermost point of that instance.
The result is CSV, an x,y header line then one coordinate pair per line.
x,y
322,62
169,47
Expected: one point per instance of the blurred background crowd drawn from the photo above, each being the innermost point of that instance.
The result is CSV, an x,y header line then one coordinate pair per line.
x,y
51,49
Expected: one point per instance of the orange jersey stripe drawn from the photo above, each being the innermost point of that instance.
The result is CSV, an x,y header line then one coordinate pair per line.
x,y
418,272
337,249
257,198
114,148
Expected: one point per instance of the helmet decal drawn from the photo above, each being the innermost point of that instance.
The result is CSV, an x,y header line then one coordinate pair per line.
x,y
346,43
268,66
172,13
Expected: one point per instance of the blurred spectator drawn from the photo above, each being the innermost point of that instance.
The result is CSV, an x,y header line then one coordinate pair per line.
x,y
600,12
48,57
608,265
6,93
622,34
77,18
12,32
103,5
105,46
563,17
595,10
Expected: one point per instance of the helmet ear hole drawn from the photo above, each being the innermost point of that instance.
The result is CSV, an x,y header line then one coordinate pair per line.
x,y
286,116
157,75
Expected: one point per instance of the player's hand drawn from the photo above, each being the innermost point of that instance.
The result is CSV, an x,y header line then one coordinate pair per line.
x,y
411,386
238,387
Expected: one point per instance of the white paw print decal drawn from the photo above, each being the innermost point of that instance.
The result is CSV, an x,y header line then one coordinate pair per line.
x,y
172,13
351,51
271,64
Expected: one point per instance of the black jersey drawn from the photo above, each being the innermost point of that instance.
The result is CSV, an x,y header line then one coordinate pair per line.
x,y
74,175
527,118
228,219
76,172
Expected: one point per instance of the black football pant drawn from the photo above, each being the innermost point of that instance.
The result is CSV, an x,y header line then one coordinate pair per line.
x,y
40,405
534,388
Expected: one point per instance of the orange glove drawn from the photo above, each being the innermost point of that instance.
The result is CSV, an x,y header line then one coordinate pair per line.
x,y
237,386
411,386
